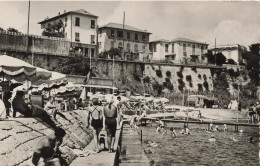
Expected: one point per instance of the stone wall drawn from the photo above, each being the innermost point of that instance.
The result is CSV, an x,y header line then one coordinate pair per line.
x,y
18,137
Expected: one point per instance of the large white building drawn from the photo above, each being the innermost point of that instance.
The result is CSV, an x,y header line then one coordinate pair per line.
x,y
134,41
80,28
231,51
179,50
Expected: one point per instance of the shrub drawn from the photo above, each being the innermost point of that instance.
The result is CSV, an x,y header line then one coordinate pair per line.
x,y
199,76
168,84
194,69
231,61
158,87
204,77
158,73
147,79
180,81
206,85
136,77
181,88
168,74
188,78
200,88
179,74
232,73
190,84
235,86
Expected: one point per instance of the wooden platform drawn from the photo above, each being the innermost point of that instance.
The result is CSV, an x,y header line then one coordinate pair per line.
x,y
132,153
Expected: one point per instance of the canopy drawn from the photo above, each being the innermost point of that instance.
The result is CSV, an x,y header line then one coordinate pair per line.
x,y
19,70
13,68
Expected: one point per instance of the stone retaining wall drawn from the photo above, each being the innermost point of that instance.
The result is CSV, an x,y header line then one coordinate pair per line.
x,y
19,136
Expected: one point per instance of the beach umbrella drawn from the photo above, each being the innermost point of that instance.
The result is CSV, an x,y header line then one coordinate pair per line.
x,y
164,100
13,68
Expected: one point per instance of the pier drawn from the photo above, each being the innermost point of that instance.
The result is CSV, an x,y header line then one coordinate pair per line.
x,y
185,122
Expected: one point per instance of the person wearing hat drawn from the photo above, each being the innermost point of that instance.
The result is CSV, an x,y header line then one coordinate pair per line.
x,y
20,106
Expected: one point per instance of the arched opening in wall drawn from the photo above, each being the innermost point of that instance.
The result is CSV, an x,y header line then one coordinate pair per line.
x,y
128,47
136,48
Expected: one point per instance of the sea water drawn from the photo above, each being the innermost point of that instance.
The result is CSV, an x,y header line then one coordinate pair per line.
x,y
230,148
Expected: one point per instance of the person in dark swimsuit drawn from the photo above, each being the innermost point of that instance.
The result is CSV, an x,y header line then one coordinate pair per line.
x,y
111,115
96,120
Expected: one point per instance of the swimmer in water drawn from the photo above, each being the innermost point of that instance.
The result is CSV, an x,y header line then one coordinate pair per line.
x,y
211,126
251,139
173,132
185,130
212,138
225,127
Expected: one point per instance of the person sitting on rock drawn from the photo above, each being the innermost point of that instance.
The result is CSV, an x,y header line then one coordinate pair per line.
x,y
20,106
47,148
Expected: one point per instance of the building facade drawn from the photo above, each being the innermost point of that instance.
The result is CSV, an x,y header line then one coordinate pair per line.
x,y
231,51
79,27
179,50
132,41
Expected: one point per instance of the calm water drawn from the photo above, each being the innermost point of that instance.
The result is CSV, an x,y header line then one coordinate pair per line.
x,y
196,149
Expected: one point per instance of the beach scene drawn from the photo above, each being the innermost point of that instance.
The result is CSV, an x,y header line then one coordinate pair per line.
x,y
129,83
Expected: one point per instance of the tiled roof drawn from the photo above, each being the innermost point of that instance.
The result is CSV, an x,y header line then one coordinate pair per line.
x,y
187,40
159,40
80,11
120,26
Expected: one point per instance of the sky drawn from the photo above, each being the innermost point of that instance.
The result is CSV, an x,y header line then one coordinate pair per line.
x,y
229,22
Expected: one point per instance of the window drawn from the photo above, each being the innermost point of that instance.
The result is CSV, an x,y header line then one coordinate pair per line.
x,y
86,52
92,52
77,37
193,49
202,50
99,44
136,36
144,47
128,47
92,40
136,48
154,47
93,24
112,44
77,23
143,38
113,32
128,35
172,48
184,47
166,47
120,34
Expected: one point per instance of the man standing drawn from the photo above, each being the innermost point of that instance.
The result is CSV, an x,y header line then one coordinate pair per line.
x,y
47,148
111,116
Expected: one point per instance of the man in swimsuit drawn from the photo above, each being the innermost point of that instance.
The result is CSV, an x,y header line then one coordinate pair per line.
x,y
47,148
96,120
111,116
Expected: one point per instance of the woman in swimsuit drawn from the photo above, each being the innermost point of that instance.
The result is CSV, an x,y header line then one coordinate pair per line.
x,y
96,120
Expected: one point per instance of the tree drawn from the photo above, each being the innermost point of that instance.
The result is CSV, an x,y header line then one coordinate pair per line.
x,y
77,65
219,58
255,49
12,30
252,65
54,30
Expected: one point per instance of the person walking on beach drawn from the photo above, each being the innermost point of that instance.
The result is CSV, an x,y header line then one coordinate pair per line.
x,y
47,148
96,121
111,116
